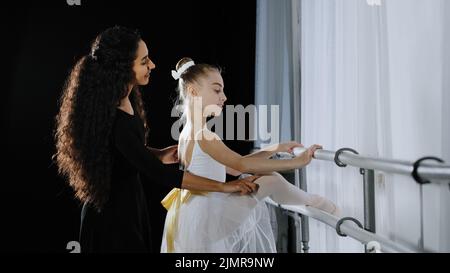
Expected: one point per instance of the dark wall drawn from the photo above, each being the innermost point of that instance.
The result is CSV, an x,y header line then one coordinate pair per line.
x,y
43,42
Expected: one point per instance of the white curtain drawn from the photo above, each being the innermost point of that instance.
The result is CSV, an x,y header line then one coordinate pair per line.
x,y
374,77
274,73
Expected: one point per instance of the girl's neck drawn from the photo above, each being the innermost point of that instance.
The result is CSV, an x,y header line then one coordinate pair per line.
x,y
193,125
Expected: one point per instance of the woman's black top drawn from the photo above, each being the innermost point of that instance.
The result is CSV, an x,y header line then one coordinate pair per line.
x,y
123,225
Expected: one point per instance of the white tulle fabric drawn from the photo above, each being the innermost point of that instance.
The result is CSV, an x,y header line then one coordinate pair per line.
x,y
220,222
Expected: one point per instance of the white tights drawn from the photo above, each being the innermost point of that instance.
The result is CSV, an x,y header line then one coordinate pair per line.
x,y
281,191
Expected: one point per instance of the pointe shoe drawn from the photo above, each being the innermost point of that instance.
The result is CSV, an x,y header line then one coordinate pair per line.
x,y
326,205
337,211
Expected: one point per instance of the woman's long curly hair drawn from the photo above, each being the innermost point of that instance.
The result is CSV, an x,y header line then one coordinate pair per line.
x,y
88,106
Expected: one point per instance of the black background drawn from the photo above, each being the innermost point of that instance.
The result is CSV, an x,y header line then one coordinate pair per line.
x,y
42,40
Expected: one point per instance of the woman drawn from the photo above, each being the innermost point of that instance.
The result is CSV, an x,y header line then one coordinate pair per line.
x,y
100,145
218,222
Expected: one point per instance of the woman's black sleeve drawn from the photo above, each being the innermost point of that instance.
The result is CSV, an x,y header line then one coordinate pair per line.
x,y
133,149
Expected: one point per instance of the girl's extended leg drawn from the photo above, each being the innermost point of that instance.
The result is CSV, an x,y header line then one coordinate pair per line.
x,y
281,191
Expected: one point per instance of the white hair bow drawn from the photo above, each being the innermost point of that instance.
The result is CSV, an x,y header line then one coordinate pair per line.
x,y
177,74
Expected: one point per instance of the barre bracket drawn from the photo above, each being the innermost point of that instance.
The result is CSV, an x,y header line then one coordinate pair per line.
x,y
339,152
414,173
341,221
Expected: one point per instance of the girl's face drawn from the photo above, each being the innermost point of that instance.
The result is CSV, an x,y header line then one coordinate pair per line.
x,y
142,65
210,89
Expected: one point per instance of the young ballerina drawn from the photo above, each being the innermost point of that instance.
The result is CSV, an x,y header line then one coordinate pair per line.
x,y
218,222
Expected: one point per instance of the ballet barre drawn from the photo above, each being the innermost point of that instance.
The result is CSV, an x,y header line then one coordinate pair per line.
x,y
422,172
374,243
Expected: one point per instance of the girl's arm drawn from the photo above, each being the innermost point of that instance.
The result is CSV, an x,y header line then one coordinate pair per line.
x,y
269,151
212,145
233,172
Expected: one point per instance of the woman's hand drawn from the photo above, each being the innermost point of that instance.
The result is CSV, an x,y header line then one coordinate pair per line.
x,y
306,157
169,155
244,185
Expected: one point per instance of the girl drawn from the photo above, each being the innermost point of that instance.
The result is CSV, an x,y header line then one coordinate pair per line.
x,y
217,222
100,145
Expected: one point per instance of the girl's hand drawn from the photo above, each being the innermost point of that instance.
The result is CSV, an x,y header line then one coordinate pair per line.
x,y
306,157
244,185
169,155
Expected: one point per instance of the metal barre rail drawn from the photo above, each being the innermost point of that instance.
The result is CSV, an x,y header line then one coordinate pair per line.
x,y
424,172
434,172
356,233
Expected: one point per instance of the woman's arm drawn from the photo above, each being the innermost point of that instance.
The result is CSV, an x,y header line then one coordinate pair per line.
x,y
168,155
212,145
154,151
131,147
198,183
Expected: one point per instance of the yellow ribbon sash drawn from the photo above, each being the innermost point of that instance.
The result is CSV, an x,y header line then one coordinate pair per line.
x,y
172,203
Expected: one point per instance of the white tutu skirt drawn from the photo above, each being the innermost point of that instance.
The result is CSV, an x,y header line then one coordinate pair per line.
x,y
224,223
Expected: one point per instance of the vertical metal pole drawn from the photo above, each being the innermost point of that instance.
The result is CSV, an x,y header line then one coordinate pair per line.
x,y
304,219
369,199
292,234
296,102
